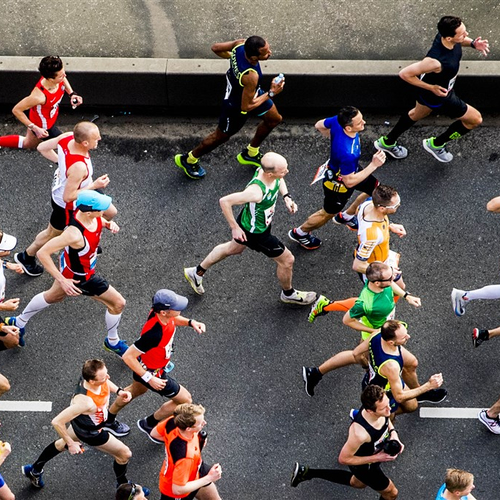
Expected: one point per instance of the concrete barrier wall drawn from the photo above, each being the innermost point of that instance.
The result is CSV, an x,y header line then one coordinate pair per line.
x,y
176,85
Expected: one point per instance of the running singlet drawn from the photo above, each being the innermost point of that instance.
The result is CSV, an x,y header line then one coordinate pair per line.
x,y
239,66
450,64
182,458
378,358
155,343
65,160
373,237
440,493
257,217
80,263
95,420
378,436
373,309
45,115
344,150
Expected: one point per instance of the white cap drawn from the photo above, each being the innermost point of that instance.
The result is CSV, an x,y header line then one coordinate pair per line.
x,y
7,243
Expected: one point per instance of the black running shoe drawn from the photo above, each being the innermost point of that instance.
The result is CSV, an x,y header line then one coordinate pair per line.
x,y
311,377
298,474
479,336
433,396
29,265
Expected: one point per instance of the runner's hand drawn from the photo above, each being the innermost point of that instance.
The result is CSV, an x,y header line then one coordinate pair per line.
x,y
198,327
157,383
414,301
215,472
101,182
436,381
238,234
378,159
10,305
75,448
40,133
69,287
439,91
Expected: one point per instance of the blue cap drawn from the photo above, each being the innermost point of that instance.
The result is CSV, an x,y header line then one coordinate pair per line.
x,y
167,300
88,201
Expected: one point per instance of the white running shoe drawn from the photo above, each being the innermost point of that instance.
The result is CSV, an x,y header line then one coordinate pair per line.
x,y
458,301
493,424
194,280
298,297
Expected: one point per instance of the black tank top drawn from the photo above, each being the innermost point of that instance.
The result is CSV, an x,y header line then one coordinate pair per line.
x,y
450,64
378,436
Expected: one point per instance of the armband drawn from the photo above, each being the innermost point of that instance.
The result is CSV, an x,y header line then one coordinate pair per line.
x,y
73,93
147,377
190,322
472,44
287,195
119,389
406,295
392,430
4,264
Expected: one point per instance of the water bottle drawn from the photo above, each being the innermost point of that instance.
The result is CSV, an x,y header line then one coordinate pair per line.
x,y
279,79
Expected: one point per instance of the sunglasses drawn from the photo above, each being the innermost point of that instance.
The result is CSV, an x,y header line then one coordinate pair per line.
x,y
133,492
388,279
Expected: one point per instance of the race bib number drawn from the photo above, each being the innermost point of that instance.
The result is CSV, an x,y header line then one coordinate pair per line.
x,y
56,180
53,111
268,215
452,83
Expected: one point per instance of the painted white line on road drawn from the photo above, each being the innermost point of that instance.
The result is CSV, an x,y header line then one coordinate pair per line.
x,y
449,412
25,405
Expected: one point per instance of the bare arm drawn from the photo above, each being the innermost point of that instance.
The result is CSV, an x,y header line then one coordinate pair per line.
x,y
479,44
213,475
250,82
34,99
130,359
351,180
80,405
223,49
494,205
411,74
320,127
291,206
252,194
76,100
197,326
47,148
355,324
357,437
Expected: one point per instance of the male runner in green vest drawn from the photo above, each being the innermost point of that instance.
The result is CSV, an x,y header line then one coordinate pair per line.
x,y
252,228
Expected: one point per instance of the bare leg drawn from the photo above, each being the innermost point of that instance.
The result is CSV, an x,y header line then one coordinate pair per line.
x,y
270,120
41,239
341,359
220,252
316,220
212,141
167,409
351,210
284,269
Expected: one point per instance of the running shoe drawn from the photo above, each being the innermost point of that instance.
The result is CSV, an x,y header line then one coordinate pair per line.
x,y
317,309
29,265
479,336
11,321
144,427
245,159
458,301
439,153
193,171
194,280
299,298
312,377
493,424
351,224
433,396
118,429
119,348
299,474
308,241
398,152
35,477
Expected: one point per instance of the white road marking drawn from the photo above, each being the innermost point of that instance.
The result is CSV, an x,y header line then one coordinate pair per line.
x,y
25,405
449,412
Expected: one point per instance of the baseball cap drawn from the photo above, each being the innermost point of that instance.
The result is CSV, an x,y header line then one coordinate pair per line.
x,y
7,242
88,201
168,300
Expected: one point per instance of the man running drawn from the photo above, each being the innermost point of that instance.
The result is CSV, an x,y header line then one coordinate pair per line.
x,y
342,176
43,106
252,228
86,416
73,174
149,359
368,445
184,474
243,96
76,276
434,78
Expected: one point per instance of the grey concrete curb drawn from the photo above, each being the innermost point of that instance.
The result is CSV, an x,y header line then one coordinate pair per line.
x,y
163,85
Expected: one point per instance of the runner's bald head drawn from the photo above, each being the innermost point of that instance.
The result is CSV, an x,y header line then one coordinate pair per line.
x,y
271,161
83,131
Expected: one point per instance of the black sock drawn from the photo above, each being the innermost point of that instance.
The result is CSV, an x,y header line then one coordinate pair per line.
x,y
404,123
27,257
200,271
48,454
333,475
111,417
120,472
454,131
288,292
151,421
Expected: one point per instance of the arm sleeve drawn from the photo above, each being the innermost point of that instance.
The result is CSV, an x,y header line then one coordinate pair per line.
x,y
149,339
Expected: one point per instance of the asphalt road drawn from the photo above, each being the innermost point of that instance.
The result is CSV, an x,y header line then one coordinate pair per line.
x,y
246,370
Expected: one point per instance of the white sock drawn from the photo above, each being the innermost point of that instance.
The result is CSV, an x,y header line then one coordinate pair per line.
x,y
489,292
35,305
347,216
112,322
300,232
